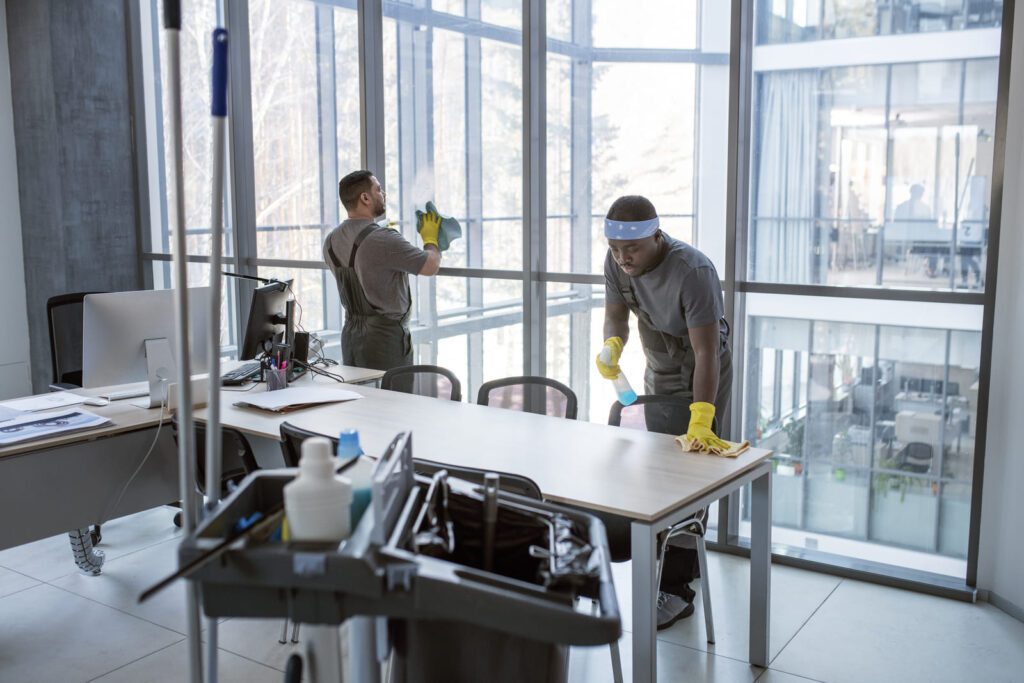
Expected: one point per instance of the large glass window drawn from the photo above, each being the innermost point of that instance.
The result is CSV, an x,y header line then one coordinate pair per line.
x,y
873,431
870,175
786,21
873,175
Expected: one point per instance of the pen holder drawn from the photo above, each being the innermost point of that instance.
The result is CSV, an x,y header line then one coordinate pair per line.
x,y
277,378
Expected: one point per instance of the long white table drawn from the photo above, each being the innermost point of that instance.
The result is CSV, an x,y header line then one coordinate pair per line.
x,y
634,474
638,475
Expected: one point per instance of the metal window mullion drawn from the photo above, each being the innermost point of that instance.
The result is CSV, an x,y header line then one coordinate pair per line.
x,y
241,193
371,87
736,219
991,268
421,146
327,123
474,196
941,460
534,172
581,80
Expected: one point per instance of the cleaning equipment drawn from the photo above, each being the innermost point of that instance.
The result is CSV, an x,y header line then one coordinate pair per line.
x,y
449,231
610,359
349,449
318,502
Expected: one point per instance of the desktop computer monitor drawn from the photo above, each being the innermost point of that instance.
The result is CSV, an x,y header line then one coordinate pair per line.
x,y
269,321
116,326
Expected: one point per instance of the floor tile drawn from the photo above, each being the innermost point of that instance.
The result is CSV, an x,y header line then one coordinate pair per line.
x,y
51,558
47,634
795,596
124,578
865,632
256,639
12,582
773,676
171,665
675,663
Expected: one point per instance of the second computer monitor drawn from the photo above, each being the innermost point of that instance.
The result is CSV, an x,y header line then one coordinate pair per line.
x,y
268,319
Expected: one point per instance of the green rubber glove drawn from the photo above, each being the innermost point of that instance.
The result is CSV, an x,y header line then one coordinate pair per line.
x,y
699,431
610,370
429,225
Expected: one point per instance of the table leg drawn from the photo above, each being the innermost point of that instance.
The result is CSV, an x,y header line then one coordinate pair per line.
x,y
760,567
645,596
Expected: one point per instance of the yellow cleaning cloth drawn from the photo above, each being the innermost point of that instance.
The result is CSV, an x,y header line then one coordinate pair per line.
x,y
693,446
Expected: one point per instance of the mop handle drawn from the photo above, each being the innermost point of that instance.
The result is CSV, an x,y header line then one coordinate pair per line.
x,y
172,15
219,110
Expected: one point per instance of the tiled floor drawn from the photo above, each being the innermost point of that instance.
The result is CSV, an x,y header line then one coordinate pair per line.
x,y
58,625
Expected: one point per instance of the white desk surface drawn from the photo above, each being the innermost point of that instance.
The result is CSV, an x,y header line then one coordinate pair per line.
x,y
126,417
570,460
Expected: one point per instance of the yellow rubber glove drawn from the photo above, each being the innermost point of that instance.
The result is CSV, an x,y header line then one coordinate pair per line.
x,y
699,431
610,370
429,226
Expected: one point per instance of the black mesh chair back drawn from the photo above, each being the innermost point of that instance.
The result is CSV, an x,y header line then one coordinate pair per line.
x,y
291,442
652,413
64,318
423,380
511,483
538,395
916,457
237,457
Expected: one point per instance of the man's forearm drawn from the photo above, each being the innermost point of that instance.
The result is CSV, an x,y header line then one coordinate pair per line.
x,y
705,377
616,328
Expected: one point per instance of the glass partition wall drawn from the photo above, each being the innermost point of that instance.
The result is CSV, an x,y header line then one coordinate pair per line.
x,y
867,171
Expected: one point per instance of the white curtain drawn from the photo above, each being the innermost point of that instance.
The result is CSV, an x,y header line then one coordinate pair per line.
x,y
786,170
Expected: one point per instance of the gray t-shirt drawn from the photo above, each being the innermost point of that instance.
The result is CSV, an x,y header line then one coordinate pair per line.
x,y
681,292
383,263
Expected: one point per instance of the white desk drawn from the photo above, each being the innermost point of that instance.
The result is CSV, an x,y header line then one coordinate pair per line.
x,y
69,481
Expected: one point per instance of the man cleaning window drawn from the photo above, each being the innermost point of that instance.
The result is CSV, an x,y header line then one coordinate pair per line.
x,y
372,264
674,291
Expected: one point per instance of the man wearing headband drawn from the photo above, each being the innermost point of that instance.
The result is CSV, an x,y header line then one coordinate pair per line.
x,y
676,295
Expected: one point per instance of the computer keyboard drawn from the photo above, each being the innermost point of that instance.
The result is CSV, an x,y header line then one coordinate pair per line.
x,y
128,393
241,374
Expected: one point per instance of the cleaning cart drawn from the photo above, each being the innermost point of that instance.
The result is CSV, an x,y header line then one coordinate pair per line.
x,y
452,580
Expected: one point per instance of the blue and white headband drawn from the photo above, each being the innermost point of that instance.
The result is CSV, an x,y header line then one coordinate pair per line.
x,y
630,230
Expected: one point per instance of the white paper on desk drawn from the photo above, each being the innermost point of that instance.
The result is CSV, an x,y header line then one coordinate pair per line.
x,y
56,399
296,397
29,427
8,413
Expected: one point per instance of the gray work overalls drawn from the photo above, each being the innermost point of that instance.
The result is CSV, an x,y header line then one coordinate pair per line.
x,y
369,339
670,366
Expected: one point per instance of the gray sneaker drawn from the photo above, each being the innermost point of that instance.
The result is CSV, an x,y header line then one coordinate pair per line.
x,y
671,608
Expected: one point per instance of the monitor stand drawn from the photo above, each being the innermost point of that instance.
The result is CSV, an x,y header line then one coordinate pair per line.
x,y
160,368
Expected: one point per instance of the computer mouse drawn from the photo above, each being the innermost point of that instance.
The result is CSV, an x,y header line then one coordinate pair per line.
x,y
95,401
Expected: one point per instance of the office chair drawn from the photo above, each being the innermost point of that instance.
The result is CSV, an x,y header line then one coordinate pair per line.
x,y
423,380
538,395
510,483
64,321
64,318
291,442
664,415
916,457
237,458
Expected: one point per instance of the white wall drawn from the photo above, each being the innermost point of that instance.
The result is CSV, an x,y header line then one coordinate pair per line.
x,y
1001,560
14,357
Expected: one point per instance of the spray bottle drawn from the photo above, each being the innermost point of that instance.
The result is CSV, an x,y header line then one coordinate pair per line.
x,y
626,394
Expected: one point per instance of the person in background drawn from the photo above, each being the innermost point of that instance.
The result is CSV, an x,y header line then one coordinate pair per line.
x,y
372,264
676,295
